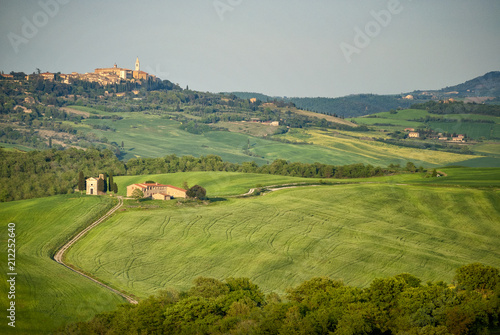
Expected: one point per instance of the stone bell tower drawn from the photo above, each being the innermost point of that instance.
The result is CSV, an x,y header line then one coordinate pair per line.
x,y
137,65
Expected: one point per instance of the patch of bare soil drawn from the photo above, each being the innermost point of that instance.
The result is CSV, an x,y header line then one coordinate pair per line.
x,y
75,111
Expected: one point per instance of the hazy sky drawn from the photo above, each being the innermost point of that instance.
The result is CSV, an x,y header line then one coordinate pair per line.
x,y
288,48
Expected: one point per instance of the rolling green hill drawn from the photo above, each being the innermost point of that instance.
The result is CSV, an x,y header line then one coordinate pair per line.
x,y
156,136
350,232
355,232
216,183
355,105
222,184
482,131
183,122
47,294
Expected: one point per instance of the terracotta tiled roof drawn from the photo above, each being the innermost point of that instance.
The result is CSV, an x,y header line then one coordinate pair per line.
x,y
144,185
177,188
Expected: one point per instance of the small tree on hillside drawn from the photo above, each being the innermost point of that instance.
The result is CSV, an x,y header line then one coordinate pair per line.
x,y
410,167
115,188
197,192
137,194
81,181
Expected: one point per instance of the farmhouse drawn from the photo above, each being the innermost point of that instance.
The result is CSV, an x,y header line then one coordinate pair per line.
x,y
414,134
157,191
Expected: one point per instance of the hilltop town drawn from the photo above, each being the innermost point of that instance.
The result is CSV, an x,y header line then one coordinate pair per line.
x,y
103,76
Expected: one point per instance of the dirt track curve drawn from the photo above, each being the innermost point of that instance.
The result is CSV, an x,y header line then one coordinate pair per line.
x,y
58,257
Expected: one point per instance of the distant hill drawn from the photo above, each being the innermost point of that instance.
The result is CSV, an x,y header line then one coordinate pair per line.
x,y
476,90
484,86
352,105
349,106
251,95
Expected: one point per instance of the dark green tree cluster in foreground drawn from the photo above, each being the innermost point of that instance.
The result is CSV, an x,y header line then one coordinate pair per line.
x,y
49,172
396,305
37,174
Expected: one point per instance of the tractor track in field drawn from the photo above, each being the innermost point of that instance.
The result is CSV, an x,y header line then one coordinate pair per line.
x,y
59,255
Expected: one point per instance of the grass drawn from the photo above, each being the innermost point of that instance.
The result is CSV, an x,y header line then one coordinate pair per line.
x,y
347,150
90,110
47,294
350,232
473,130
155,136
221,184
250,128
146,135
15,147
404,118
488,148
216,183
470,177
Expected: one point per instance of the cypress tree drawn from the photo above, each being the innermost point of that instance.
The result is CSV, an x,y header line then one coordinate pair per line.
x,y
81,181
105,183
110,181
100,185
115,188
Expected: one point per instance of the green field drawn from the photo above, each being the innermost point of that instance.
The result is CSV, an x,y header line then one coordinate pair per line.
x,y
406,119
473,130
471,177
216,183
221,184
47,294
356,230
351,232
146,135
348,149
15,147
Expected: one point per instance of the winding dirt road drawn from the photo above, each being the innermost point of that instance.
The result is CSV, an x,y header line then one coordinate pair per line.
x,y
59,256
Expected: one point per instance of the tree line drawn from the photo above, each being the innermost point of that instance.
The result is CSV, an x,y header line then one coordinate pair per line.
x,y
173,163
458,107
34,174
394,305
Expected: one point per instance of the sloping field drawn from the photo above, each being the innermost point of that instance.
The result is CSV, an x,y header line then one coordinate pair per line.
x,y
407,118
155,136
216,183
47,294
327,117
350,232
224,184
474,177
377,153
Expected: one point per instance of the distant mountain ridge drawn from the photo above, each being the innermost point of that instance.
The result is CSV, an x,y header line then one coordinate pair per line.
x,y
485,88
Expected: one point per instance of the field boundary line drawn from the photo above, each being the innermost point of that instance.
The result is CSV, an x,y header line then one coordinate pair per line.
x,y
58,257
